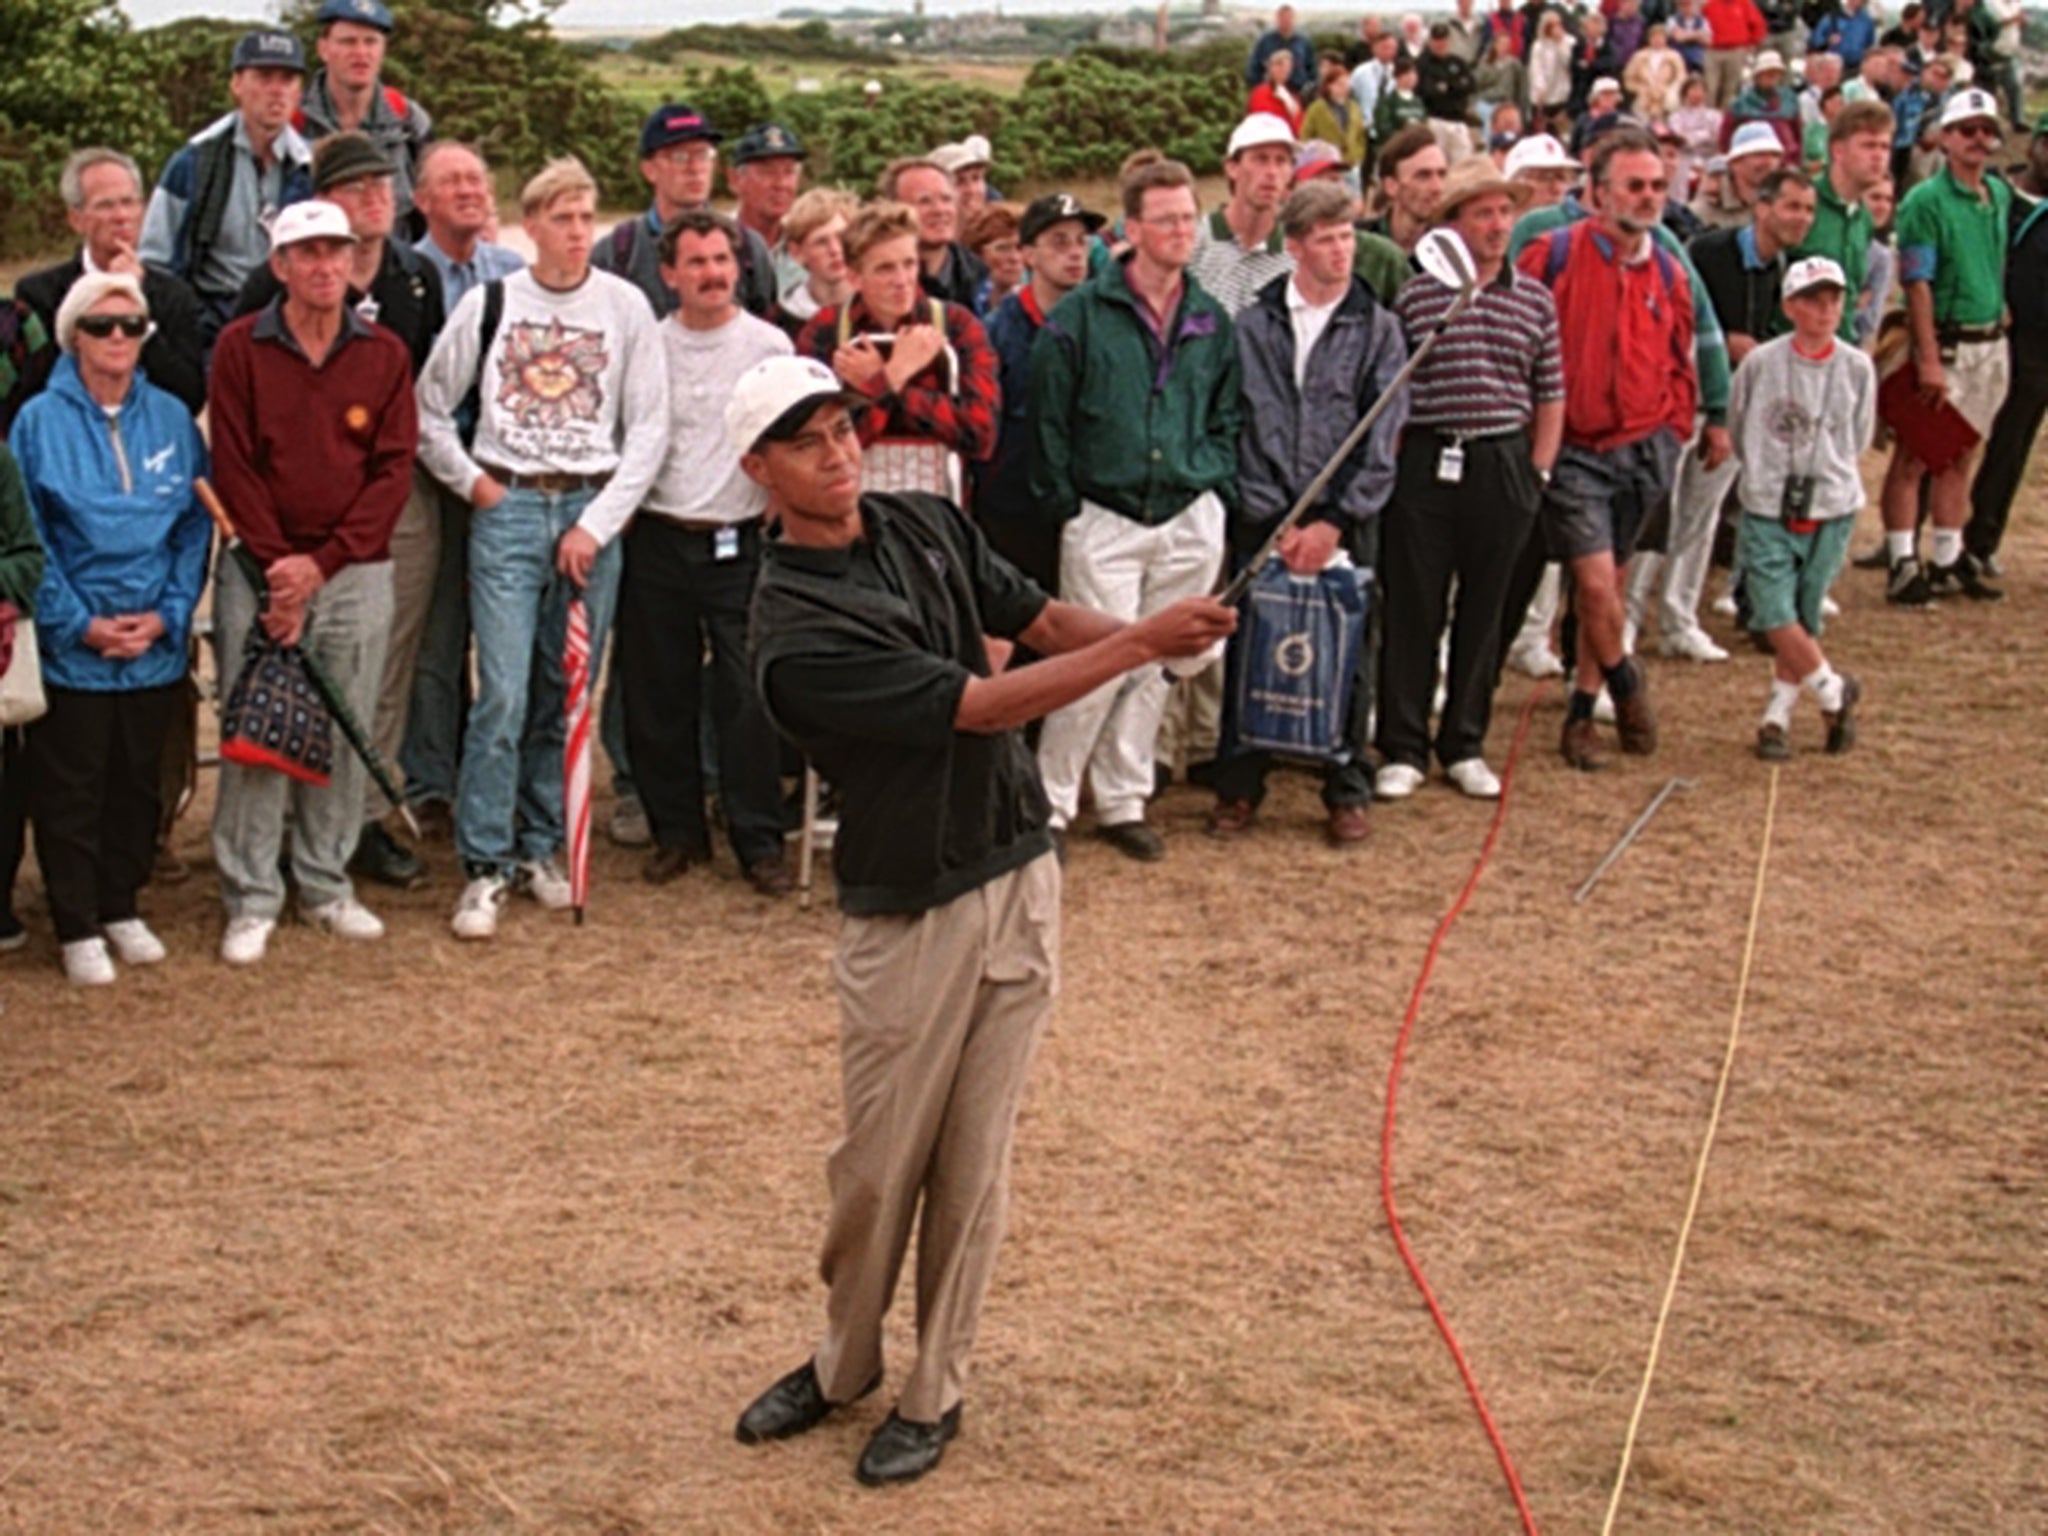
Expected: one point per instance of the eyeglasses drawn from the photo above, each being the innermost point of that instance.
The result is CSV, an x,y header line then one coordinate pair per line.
x,y
100,327
1989,131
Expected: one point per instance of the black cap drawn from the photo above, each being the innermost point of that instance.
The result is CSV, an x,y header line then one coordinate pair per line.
x,y
675,122
269,48
367,13
768,141
1055,208
344,157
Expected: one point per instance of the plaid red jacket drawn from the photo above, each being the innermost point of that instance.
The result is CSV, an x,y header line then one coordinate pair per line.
x,y
963,417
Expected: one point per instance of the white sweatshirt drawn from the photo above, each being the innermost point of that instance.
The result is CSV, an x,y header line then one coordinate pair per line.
x,y
1790,415
575,384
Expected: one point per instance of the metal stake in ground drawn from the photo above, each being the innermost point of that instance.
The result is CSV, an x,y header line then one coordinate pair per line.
x,y
1635,828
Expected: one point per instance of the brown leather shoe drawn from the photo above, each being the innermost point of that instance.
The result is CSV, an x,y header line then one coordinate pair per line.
x,y
771,876
666,864
1348,826
1231,818
1581,745
1635,722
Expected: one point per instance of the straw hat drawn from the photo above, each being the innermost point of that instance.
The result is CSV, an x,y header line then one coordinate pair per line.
x,y
1477,177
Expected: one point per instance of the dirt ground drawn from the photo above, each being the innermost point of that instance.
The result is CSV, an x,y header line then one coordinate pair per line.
x,y
429,1238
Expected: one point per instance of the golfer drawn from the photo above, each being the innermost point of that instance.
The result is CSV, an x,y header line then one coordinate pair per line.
x,y
868,647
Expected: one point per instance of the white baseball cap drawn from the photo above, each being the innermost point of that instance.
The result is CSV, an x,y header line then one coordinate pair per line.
x,y
1755,139
1967,106
310,220
1538,152
775,397
1768,59
1605,83
1813,272
1260,128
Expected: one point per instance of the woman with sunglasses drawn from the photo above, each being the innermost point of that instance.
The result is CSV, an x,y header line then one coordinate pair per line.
x,y
108,460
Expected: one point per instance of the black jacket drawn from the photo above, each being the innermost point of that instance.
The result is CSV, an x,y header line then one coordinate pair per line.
x,y
172,358
1745,298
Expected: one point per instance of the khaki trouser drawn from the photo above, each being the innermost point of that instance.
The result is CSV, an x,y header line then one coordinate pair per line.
x,y
1724,71
940,1015
415,561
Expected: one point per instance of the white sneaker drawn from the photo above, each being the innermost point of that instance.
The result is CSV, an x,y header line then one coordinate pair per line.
x,y
1693,645
87,963
476,914
246,939
1536,661
1725,605
1473,777
629,827
1830,609
544,882
345,919
134,943
1396,781
1603,708
1630,632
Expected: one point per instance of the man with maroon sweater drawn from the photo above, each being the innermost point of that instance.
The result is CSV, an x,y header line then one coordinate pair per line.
x,y
1624,310
313,436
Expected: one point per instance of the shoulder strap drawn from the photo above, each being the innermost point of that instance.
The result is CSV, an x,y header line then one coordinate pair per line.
x,y
622,244
1556,253
394,98
469,413
494,313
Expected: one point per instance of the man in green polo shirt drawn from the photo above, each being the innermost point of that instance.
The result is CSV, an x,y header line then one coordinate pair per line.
x,y
1859,157
1951,234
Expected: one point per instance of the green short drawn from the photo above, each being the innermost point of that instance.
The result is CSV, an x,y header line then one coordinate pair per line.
x,y
1785,575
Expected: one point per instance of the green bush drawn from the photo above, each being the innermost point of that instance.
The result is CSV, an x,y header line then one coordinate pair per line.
x,y
811,39
850,141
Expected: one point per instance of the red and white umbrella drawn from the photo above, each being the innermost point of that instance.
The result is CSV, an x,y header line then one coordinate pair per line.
x,y
576,753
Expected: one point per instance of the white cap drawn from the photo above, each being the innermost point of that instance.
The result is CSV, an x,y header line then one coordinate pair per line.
x,y
1967,107
1813,272
771,390
1538,152
1769,58
310,220
977,148
950,157
1259,128
1605,83
1756,139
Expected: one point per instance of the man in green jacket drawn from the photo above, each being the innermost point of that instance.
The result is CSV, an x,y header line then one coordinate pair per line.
x,y
1134,385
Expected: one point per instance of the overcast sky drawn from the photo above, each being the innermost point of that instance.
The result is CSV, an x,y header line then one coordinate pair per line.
x,y
609,13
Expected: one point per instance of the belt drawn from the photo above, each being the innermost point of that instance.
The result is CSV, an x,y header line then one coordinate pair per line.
x,y
709,525
550,483
1962,333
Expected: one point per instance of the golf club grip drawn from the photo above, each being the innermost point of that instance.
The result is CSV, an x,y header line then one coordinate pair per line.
x,y
210,499
1242,581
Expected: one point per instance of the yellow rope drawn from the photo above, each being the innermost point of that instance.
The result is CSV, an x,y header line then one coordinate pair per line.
x,y
1699,1176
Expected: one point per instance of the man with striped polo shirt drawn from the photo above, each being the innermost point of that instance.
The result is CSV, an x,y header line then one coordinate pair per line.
x,y
1486,415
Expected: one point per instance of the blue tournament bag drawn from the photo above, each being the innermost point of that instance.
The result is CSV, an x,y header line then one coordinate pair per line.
x,y
1301,639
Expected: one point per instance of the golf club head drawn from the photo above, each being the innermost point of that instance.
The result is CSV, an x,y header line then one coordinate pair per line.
x,y
1442,254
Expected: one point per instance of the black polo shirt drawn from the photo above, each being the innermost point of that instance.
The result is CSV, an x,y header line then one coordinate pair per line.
x,y
861,655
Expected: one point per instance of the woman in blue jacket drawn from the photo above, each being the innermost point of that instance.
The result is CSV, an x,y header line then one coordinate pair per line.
x,y
108,461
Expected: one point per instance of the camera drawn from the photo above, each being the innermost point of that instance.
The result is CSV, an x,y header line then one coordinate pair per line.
x,y
1796,506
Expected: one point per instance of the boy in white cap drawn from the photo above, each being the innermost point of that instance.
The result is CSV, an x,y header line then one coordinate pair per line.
x,y
1802,412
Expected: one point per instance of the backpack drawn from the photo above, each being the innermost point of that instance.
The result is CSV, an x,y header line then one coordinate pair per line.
x,y
1558,251
469,412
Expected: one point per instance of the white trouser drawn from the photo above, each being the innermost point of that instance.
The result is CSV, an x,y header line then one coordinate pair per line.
x,y
1534,634
1689,552
1126,570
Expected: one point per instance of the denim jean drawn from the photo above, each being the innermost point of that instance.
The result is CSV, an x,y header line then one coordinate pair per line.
x,y
432,752
509,799
348,622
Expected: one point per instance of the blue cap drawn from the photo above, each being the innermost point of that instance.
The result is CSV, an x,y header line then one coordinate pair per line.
x,y
367,13
268,48
768,141
675,122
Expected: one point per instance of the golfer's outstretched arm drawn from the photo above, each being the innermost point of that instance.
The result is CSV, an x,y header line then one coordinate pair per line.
x,y
1084,650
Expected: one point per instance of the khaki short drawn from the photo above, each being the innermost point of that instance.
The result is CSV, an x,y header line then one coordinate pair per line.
x,y
1978,380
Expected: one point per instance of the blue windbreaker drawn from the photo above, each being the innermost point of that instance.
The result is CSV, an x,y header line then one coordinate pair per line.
x,y
113,503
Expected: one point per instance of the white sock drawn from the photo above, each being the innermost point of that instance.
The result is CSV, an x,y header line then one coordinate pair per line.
x,y
1898,543
1783,696
1824,683
1948,545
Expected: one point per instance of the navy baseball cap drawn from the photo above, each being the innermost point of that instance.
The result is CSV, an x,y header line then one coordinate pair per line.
x,y
268,48
675,123
366,13
1056,208
768,141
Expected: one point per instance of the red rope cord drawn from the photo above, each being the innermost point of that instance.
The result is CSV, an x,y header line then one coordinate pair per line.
x,y
1436,1311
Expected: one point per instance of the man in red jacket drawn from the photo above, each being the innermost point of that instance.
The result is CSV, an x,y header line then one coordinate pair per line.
x,y
1738,28
1624,311
313,436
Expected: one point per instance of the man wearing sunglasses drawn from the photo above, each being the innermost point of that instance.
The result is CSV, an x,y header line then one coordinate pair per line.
x,y
1952,231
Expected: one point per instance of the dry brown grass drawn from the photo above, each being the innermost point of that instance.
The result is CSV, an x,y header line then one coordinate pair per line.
x,y
427,1238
